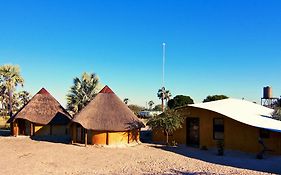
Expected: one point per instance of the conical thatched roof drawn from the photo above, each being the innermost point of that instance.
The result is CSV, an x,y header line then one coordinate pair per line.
x,y
106,112
43,108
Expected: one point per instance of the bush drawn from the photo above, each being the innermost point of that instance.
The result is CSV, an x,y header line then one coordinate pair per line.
x,y
220,146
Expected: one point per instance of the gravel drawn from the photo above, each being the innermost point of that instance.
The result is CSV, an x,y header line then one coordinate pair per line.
x,y
22,155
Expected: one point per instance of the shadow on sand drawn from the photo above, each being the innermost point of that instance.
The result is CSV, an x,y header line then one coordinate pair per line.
x,y
191,173
146,136
271,164
5,133
53,139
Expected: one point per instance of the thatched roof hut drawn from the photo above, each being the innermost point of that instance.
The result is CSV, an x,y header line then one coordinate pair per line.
x,y
107,120
41,116
42,109
106,112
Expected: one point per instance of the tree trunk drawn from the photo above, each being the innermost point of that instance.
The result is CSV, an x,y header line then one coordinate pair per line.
x,y
167,137
162,103
10,103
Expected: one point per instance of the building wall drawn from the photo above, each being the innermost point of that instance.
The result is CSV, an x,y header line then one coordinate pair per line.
x,y
106,137
41,130
59,130
237,136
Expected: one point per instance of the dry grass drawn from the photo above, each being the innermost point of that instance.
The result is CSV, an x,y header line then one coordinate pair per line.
x,y
3,123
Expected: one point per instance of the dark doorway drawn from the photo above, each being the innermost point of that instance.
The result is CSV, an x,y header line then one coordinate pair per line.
x,y
192,132
80,137
22,127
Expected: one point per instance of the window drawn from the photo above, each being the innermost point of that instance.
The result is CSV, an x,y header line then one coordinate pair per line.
x,y
218,129
264,133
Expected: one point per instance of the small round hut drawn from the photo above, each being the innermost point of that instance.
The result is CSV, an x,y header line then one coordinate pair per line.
x,y
41,116
106,120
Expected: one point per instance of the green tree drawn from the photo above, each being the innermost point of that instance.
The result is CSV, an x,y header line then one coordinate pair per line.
x,y
136,109
10,77
214,98
157,107
20,99
163,94
3,100
150,104
277,110
180,100
168,121
84,89
126,101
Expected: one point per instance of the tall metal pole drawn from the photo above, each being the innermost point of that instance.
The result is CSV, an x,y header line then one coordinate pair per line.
x,y
163,75
163,66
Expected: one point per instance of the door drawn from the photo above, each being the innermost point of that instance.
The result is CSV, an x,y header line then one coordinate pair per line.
x,y
80,137
192,132
21,125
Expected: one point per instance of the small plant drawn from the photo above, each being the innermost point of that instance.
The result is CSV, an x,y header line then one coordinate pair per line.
x,y
174,143
220,146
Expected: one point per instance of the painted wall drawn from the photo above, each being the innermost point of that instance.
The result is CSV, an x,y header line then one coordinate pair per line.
x,y
237,136
41,130
104,137
60,130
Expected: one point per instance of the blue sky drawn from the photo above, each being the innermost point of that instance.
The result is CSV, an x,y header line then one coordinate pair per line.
x,y
213,47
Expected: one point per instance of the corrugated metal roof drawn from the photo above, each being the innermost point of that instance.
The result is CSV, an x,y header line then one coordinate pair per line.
x,y
243,111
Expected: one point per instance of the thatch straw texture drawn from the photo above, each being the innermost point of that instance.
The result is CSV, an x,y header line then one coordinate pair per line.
x,y
106,112
42,109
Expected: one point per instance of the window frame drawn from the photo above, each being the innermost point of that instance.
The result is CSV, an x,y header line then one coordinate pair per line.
x,y
214,128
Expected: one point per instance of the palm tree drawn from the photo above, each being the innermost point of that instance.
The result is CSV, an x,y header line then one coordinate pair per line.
x,y
21,99
150,104
84,89
3,97
11,78
126,101
164,94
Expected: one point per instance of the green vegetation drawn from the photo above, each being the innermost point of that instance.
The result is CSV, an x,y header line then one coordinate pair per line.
x,y
277,110
163,94
126,101
3,122
136,109
214,98
10,101
157,107
168,121
150,104
84,89
180,100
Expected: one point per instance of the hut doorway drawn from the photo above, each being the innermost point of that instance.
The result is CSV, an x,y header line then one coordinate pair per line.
x,y
80,136
192,132
22,127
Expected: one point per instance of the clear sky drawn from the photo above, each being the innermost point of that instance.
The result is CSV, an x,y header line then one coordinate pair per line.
x,y
212,47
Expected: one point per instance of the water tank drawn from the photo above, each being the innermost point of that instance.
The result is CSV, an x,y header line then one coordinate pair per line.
x,y
267,92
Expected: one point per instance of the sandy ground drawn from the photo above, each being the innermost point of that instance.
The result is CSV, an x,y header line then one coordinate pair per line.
x,y
22,155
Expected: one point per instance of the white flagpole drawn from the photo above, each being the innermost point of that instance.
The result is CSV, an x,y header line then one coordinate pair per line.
x,y
163,66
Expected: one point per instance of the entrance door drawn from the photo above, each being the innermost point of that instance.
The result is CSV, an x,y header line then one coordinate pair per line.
x,y
192,132
80,137
22,128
